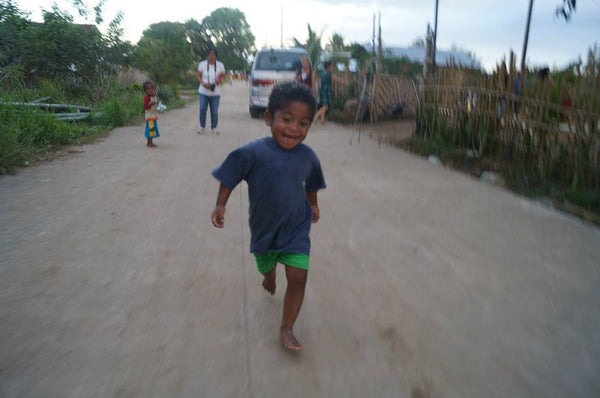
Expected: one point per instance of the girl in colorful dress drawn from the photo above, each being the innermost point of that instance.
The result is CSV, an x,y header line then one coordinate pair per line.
x,y
151,112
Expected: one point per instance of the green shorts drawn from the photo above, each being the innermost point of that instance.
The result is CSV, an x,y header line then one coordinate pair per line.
x,y
266,262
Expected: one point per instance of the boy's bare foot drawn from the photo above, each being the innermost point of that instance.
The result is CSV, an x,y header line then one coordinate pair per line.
x,y
289,340
151,145
269,282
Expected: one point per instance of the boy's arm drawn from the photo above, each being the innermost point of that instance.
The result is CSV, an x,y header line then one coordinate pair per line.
x,y
218,215
312,199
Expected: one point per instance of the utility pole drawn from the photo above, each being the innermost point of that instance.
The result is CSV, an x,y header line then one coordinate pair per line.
x,y
373,57
379,47
524,55
281,31
434,39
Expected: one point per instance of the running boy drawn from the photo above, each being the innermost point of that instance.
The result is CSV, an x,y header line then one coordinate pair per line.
x,y
283,177
150,112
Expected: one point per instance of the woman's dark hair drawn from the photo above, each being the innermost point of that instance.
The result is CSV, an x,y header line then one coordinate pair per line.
x,y
285,93
212,49
326,64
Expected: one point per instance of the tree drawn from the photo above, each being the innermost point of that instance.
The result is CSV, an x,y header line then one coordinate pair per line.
x,y
312,45
64,50
13,26
336,43
84,11
419,42
401,66
228,31
566,10
117,52
164,52
197,37
360,53
78,56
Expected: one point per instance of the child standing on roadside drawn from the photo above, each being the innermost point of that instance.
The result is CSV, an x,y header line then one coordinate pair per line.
x,y
151,112
283,177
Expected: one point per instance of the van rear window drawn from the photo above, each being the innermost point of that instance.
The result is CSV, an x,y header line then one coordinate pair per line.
x,y
278,60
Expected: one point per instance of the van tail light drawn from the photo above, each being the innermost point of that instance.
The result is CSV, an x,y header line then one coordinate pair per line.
x,y
263,82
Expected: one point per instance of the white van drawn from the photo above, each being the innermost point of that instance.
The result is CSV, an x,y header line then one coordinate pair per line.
x,y
272,66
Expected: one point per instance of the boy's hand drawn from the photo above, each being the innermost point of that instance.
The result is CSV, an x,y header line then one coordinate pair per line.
x,y
315,213
218,216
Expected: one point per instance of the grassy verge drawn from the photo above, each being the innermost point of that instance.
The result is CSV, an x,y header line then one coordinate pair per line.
x,y
29,134
519,177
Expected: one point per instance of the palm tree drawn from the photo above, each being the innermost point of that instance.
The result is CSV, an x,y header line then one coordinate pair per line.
x,y
566,10
336,43
312,45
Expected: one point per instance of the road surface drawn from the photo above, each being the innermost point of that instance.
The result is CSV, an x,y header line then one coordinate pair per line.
x,y
424,282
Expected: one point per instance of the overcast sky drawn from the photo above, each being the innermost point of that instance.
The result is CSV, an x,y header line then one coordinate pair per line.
x,y
489,28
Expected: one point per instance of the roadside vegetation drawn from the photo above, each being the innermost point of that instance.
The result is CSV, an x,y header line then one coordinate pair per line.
x,y
61,62
537,134
58,61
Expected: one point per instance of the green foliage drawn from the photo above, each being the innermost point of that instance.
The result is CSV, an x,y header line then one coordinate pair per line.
x,y
12,77
70,64
359,53
312,45
336,43
164,52
78,56
124,106
53,89
197,37
28,132
13,25
231,36
111,113
566,10
402,66
166,93
528,145
25,130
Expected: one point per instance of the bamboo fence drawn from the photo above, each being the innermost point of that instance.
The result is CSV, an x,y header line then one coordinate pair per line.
x,y
385,94
551,123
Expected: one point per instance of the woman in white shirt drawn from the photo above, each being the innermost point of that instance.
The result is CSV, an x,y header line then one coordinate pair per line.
x,y
210,75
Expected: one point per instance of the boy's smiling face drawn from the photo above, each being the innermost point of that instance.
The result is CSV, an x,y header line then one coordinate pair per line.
x,y
290,124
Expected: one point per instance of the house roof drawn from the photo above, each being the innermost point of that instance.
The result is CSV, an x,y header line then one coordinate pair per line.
x,y
442,57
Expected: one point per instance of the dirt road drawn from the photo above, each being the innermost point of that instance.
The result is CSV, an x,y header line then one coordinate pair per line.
x,y
423,283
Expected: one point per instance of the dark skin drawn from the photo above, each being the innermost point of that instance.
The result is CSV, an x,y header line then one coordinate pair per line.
x,y
289,127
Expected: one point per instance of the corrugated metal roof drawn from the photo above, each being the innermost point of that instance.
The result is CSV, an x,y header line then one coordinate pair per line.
x,y
442,57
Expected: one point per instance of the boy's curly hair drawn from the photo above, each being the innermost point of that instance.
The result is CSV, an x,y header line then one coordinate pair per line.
x,y
285,93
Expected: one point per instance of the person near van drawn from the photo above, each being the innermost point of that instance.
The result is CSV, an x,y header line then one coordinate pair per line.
x,y
327,77
305,74
210,75
283,177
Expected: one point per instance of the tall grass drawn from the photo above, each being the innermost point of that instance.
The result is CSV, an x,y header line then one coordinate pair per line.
x,y
28,133
522,137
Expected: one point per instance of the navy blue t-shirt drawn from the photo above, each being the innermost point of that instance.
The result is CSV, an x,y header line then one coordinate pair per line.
x,y
278,180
